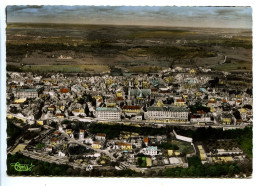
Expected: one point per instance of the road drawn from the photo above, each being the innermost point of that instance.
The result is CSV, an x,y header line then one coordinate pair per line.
x,y
88,146
52,159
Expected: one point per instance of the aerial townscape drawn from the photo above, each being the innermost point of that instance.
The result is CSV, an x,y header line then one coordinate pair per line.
x,y
159,103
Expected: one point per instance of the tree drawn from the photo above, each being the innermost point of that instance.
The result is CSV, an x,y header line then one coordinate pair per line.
x,y
211,171
87,110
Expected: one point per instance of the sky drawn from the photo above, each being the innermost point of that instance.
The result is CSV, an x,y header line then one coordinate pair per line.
x,y
224,17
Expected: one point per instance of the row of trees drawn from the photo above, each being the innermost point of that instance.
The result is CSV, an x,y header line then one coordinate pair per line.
x,y
13,132
169,146
113,131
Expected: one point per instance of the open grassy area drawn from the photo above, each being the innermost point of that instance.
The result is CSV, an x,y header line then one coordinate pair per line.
x,y
244,42
160,34
145,69
234,65
184,147
66,68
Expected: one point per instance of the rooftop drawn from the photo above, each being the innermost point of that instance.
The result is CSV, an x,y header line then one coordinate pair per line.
x,y
106,109
168,108
27,90
131,107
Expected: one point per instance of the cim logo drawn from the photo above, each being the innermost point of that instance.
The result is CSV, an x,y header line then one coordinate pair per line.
x,y
22,167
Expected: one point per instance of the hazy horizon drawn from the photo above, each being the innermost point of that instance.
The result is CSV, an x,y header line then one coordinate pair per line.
x,y
165,16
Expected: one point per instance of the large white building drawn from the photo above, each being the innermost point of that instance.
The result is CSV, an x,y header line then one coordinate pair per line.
x,y
104,113
26,93
150,150
167,114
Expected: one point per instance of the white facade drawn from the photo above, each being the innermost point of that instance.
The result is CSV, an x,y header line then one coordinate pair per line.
x,y
167,113
202,119
103,113
151,150
26,93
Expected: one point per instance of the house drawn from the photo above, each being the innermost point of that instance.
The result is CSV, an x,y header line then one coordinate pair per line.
x,y
61,154
51,108
226,118
212,103
20,101
69,131
100,137
89,167
146,141
40,122
148,162
226,159
96,145
79,112
236,151
124,146
89,140
60,116
64,90
203,155
138,117
81,134
179,102
48,149
131,110
150,150
198,118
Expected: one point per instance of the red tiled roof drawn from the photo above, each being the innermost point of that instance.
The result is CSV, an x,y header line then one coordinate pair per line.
x,y
212,102
123,144
119,98
146,140
180,100
223,100
53,139
131,107
201,112
195,116
101,134
64,90
164,91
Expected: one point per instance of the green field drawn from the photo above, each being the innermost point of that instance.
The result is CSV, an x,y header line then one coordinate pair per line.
x,y
160,34
66,68
184,147
234,65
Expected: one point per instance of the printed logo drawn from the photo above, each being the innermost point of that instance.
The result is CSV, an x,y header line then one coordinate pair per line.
x,y
22,167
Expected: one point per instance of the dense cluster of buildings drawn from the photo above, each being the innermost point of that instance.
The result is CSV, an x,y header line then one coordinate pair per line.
x,y
174,96
182,97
